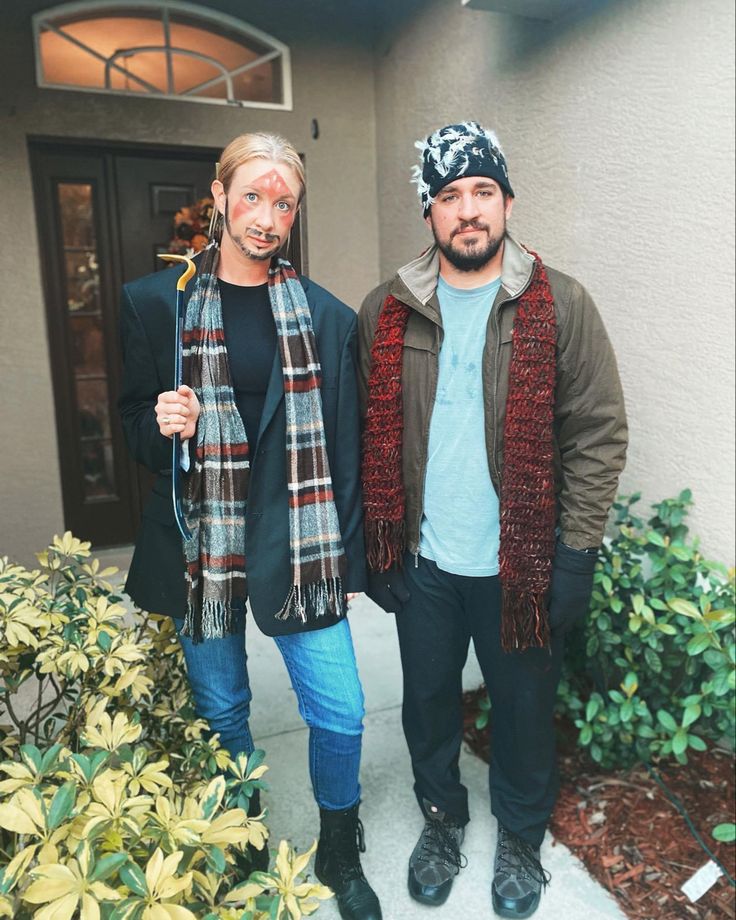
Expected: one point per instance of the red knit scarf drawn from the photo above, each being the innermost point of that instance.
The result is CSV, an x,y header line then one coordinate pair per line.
x,y
527,483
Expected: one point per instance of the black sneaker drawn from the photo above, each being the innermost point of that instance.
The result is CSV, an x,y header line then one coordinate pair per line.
x,y
436,858
518,876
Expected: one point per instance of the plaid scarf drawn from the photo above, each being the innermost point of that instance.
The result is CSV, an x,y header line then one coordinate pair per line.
x,y
216,489
527,483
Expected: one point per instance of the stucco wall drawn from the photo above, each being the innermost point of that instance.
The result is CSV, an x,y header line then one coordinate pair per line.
x,y
618,128
332,70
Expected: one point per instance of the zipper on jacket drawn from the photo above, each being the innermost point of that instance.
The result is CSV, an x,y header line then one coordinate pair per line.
x,y
425,452
496,374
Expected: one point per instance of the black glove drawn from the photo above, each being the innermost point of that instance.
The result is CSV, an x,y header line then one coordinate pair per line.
x,y
388,590
571,587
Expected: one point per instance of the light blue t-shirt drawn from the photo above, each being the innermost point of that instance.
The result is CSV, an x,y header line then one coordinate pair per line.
x,y
460,528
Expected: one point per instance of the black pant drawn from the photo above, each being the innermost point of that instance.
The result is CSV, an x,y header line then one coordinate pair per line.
x,y
435,628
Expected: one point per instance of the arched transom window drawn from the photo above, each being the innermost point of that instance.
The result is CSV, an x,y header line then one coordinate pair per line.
x,y
161,48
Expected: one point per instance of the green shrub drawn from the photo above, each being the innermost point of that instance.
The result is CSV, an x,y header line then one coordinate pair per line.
x,y
651,675
116,804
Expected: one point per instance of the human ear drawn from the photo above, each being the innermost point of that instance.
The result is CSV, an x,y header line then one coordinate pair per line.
x,y
218,193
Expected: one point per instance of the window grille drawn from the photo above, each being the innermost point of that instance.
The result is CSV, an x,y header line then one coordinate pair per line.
x,y
161,48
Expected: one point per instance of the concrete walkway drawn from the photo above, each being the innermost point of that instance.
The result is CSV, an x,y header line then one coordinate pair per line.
x,y
390,814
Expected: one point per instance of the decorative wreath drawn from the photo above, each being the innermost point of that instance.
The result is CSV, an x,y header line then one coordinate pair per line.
x,y
191,228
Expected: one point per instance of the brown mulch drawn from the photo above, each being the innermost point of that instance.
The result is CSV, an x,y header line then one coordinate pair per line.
x,y
630,836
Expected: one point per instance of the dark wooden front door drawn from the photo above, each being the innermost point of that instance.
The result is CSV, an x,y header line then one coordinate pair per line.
x,y
103,215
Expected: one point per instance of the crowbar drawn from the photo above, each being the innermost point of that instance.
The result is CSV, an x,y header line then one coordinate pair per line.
x,y
176,491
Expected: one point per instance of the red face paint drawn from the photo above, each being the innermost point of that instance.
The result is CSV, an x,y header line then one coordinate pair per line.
x,y
261,209
270,186
241,207
272,183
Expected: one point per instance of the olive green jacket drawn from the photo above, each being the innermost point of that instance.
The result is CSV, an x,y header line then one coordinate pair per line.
x,y
590,429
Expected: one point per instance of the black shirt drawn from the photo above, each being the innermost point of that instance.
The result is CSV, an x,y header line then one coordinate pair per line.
x,y
250,339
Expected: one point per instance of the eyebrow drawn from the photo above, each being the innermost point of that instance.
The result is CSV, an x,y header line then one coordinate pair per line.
x,y
485,183
249,187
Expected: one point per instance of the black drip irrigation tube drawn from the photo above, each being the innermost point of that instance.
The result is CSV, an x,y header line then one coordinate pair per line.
x,y
693,830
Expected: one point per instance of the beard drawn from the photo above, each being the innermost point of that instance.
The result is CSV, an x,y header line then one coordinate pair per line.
x,y
240,240
472,257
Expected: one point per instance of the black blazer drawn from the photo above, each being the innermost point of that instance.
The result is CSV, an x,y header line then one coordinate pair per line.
x,y
156,577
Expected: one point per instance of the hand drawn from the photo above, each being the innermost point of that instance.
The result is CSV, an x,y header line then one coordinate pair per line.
x,y
351,596
571,588
388,590
177,412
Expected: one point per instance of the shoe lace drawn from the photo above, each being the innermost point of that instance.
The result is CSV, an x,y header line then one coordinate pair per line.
x,y
517,857
347,848
439,842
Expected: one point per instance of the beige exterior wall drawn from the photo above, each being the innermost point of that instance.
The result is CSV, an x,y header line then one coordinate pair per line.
x,y
618,128
332,68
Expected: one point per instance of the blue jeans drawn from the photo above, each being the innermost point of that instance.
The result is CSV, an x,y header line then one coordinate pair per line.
x,y
324,675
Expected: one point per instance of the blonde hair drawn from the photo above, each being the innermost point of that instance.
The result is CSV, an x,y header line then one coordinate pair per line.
x,y
261,146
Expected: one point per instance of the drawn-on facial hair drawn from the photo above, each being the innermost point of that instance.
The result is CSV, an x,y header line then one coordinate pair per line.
x,y
239,240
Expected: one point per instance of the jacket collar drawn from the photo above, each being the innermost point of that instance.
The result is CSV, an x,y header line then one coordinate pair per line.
x,y
416,282
517,268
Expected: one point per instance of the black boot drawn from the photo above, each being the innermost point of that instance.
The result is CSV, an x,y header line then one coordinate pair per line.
x,y
337,864
251,859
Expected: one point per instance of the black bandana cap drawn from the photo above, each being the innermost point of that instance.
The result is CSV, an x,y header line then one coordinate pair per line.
x,y
456,152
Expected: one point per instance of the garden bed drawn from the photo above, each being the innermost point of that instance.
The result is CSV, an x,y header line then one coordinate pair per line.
x,y
630,836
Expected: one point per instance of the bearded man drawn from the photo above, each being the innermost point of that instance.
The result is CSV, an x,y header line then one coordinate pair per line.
x,y
494,436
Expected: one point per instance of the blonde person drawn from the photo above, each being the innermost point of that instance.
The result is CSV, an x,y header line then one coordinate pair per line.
x,y
269,416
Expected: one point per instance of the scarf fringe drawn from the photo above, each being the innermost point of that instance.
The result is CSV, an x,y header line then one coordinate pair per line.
x,y
304,602
214,620
384,544
524,620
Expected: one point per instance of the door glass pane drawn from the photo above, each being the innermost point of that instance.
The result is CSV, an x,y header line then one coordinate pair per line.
x,y
87,345
83,280
98,469
94,418
86,338
75,210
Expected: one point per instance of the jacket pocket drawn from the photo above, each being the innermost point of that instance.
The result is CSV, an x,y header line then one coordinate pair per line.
x,y
421,334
